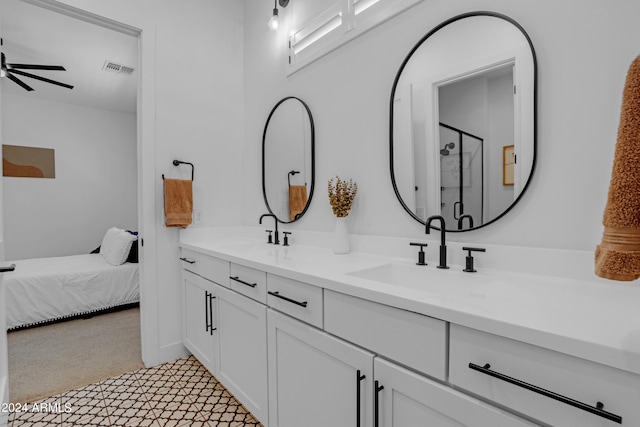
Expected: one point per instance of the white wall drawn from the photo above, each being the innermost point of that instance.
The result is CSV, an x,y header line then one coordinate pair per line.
x,y
95,186
581,77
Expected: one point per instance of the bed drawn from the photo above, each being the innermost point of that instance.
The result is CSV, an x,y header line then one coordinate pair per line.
x,y
43,290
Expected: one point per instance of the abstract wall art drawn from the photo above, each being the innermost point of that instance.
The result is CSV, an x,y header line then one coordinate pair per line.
x,y
28,162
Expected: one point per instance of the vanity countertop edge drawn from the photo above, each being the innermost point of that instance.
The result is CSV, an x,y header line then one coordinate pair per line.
x,y
589,320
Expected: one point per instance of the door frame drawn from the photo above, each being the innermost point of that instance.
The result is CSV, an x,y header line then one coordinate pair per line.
x,y
146,153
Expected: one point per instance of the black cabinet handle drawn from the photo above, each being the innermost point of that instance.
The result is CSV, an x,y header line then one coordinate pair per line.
x,y
359,379
211,297
190,261
277,295
253,285
12,267
597,410
207,311
376,403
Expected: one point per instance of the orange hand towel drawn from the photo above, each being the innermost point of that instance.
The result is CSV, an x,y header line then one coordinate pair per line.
x,y
178,202
297,200
618,255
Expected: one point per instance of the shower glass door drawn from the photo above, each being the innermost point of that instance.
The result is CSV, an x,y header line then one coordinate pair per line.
x,y
461,177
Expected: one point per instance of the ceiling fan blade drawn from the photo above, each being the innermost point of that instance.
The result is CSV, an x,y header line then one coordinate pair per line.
x,y
33,76
19,82
36,67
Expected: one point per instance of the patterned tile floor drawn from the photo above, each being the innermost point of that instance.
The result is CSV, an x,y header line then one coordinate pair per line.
x,y
179,393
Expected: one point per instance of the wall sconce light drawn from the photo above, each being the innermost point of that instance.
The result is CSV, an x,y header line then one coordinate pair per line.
x,y
273,21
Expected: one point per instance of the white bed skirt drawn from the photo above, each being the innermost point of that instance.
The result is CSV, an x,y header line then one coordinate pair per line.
x,y
45,289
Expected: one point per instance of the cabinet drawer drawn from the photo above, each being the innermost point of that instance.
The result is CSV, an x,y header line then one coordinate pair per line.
x,y
189,260
414,340
248,281
297,299
578,386
407,399
214,269
211,268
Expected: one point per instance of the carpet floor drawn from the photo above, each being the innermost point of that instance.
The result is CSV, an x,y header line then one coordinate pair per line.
x,y
53,359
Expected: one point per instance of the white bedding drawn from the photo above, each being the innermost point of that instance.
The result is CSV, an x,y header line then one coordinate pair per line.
x,y
43,289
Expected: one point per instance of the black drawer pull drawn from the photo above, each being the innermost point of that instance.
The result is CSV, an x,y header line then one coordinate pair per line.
x,y
597,410
190,261
12,267
253,285
277,295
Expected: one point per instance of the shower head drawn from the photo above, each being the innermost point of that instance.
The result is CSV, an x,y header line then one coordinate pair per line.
x,y
447,147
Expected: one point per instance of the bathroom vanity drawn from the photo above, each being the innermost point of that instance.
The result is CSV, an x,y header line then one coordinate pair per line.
x,y
304,337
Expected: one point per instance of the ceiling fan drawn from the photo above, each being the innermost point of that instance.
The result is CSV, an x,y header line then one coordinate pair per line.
x,y
9,70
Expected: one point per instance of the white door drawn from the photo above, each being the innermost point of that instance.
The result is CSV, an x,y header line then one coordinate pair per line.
x,y
315,379
200,323
405,399
242,360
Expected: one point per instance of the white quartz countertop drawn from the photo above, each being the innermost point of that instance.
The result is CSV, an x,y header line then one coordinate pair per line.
x,y
590,319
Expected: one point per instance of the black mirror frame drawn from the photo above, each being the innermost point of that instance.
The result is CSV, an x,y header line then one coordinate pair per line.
x,y
313,159
535,113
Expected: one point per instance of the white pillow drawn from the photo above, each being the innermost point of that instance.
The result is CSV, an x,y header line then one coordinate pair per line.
x,y
116,245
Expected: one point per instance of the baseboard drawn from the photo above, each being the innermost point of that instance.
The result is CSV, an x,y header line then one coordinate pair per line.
x,y
166,354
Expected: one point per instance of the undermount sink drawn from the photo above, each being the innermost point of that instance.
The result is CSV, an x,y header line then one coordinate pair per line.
x,y
421,278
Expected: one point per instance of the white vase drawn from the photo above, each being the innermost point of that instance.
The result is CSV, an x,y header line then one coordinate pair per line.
x,y
340,237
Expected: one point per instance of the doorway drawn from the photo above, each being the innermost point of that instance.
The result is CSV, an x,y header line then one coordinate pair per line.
x,y
17,34
476,116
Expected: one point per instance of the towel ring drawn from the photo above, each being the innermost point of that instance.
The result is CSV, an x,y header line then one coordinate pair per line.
x,y
179,162
289,176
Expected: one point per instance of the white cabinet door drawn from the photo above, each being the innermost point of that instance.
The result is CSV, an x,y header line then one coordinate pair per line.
x,y
405,399
199,318
316,380
242,360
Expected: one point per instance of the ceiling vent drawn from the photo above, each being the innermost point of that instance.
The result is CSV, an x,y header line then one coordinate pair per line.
x,y
112,67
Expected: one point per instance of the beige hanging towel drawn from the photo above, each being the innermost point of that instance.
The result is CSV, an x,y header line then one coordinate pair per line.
x,y
178,202
297,200
618,255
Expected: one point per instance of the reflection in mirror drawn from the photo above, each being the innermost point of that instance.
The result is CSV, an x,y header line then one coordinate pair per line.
x,y
463,121
288,169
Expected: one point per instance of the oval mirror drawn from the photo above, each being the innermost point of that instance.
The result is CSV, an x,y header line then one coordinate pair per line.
x,y
463,121
288,158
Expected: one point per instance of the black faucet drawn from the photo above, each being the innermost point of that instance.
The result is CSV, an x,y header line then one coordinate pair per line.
x,y
461,219
276,240
443,246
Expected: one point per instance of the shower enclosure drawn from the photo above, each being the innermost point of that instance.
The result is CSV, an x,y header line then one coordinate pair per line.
x,y
461,177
